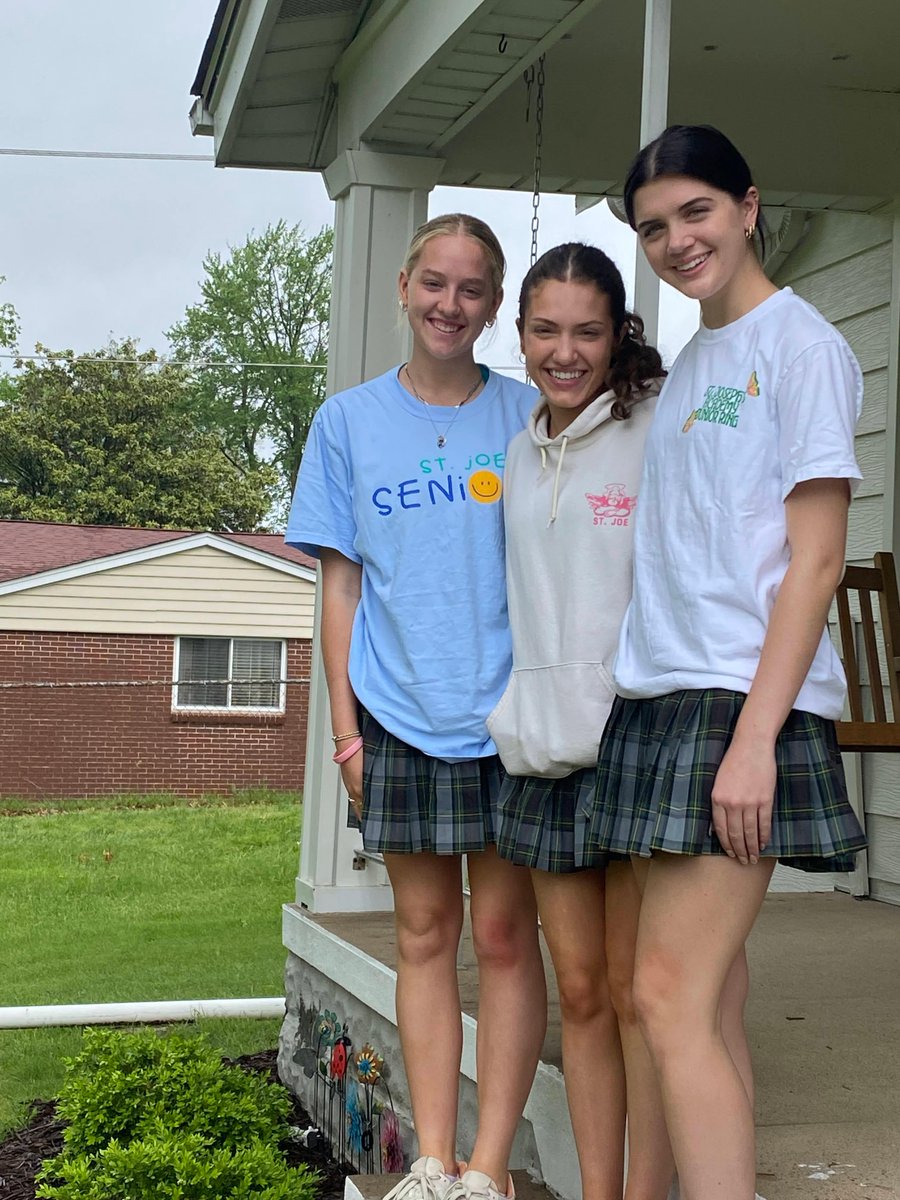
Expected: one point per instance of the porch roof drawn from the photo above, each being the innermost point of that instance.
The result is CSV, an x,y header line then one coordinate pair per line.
x,y
811,96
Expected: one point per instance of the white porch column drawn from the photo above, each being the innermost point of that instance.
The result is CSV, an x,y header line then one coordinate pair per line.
x,y
380,199
654,110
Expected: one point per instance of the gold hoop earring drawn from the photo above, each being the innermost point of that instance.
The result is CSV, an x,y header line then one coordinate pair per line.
x,y
748,233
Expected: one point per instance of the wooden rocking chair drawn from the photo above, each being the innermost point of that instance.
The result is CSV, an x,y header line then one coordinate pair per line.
x,y
877,732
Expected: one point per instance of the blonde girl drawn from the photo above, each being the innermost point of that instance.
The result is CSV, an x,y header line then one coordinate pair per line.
x,y
399,495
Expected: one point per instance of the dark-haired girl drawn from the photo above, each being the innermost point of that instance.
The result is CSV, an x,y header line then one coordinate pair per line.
x,y
720,754
570,491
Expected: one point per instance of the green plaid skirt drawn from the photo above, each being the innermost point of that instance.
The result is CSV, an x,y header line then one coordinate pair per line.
x,y
413,802
658,761
542,823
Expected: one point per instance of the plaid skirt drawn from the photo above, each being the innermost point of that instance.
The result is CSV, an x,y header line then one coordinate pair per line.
x,y
658,762
542,823
413,802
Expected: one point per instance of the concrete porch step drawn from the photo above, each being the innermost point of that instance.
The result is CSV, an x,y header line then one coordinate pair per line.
x,y
373,1187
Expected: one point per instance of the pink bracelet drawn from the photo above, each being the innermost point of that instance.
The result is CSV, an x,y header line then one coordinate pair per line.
x,y
348,751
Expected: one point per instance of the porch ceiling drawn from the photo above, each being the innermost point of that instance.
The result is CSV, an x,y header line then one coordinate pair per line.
x,y
810,90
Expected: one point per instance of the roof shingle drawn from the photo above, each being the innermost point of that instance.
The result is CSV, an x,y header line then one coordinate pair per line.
x,y
31,547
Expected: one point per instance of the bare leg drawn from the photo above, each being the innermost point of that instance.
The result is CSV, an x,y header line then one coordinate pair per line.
x,y
651,1167
572,918
734,995
649,1152
696,914
428,912
734,1034
512,1004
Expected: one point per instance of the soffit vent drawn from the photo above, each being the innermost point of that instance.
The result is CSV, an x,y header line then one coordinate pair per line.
x,y
295,10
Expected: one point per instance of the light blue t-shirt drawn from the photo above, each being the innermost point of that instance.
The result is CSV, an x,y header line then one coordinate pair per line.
x,y
430,652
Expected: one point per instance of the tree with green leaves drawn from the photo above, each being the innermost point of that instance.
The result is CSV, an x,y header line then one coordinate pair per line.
x,y
102,439
265,306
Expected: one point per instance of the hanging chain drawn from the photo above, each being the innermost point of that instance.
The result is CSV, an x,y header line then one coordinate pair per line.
x,y
538,151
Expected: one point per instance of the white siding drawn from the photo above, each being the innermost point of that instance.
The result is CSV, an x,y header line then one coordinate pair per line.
x,y
846,266
204,591
843,267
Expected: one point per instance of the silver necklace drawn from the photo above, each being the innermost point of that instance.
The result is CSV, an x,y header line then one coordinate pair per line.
x,y
442,436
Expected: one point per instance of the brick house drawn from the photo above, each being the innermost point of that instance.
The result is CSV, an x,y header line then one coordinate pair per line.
x,y
142,660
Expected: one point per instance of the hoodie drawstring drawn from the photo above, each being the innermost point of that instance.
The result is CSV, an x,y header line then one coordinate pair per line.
x,y
554,503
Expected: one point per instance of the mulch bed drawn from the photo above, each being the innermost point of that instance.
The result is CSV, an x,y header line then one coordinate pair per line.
x,y
23,1150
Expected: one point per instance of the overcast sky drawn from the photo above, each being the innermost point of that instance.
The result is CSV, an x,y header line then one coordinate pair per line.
x,y
93,249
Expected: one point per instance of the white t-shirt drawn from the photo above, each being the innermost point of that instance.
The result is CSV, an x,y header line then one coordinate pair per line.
x,y
748,412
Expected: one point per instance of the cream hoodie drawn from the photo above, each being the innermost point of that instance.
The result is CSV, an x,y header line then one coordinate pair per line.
x,y
569,506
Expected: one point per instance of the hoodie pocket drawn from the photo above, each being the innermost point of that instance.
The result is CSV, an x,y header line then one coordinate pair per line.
x,y
549,720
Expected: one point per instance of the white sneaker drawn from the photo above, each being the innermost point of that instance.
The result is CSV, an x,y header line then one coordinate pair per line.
x,y
475,1185
426,1181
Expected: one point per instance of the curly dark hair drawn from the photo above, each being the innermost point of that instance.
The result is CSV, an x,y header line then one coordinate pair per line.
x,y
634,364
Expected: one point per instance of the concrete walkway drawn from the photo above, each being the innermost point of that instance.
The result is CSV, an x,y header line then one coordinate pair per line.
x,y
824,1025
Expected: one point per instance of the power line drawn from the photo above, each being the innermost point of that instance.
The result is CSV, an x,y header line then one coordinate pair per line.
x,y
163,362
22,684
196,362
33,153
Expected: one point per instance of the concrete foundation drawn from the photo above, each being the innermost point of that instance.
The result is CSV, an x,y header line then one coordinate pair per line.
x,y
325,974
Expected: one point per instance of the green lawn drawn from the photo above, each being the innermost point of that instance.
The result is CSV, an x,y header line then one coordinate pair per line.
x,y
100,903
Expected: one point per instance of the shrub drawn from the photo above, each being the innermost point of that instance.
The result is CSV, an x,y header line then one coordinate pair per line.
x,y
176,1167
125,1086
162,1116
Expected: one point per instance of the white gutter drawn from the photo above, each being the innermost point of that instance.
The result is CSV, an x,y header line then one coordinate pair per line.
x,y
31,1016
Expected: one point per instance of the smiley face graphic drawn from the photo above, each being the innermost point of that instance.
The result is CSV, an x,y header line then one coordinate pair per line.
x,y
485,487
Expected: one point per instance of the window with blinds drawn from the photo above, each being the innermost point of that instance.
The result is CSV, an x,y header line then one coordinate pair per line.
x,y
229,673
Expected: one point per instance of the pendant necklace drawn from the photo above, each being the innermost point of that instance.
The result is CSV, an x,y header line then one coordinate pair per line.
x,y
442,436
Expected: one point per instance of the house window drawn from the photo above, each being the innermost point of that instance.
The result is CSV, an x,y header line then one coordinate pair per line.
x,y
229,673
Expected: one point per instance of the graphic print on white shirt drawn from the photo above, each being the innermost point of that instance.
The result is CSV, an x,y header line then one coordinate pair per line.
x,y
612,506
723,405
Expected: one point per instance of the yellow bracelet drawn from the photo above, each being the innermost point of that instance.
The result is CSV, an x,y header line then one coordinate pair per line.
x,y
340,737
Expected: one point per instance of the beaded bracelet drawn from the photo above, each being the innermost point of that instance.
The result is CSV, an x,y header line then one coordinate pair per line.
x,y
342,755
